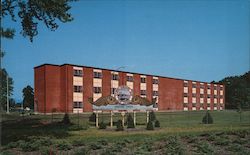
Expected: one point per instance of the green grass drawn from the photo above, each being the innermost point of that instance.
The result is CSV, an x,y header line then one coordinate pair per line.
x,y
179,131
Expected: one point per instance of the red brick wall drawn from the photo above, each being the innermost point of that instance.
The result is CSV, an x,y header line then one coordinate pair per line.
x,y
106,83
39,91
149,83
52,90
170,94
136,84
87,88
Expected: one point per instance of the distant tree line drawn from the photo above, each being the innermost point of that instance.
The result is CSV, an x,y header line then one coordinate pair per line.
x,y
237,91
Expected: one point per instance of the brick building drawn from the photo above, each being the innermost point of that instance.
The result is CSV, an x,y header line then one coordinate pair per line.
x,y
67,88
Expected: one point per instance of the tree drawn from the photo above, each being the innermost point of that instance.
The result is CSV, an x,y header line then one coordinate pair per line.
x,y
130,122
152,116
3,87
119,126
207,119
30,12
28,97
237,91
66,119
157,124
150,125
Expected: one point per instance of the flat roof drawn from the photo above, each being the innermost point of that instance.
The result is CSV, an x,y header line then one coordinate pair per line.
x,y
123,72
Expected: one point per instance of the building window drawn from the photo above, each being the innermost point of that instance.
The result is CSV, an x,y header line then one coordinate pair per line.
x,y
208,86
113,90
185,84
78,89
130,78
115,77
193,95
193,85
201,95
215,87
97,90
155,93
155,81
78,105
208,96
78,73
221,96
98,75
143,92
143,80
185,94
215,96
202,86
221,88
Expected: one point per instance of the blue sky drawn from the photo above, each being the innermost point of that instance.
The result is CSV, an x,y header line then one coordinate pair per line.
x,y
197,39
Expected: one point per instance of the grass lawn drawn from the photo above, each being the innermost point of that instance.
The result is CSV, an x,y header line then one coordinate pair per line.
x,y
180,132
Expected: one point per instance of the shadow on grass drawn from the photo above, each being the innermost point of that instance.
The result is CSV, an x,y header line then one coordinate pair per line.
x,y
15,130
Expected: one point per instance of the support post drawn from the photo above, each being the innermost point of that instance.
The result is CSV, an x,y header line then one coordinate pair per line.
x,y
134,117
97,119
123,114
147,116
111,119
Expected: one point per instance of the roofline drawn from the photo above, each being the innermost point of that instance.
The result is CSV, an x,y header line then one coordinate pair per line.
x,y
122,71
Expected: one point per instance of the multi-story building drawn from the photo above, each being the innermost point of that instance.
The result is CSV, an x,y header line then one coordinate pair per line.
x,y
67,88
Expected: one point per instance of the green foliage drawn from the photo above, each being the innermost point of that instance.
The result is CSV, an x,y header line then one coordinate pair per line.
x,y
31,12
28,97
64,145
130,122
207,119
3,87
81,151
119,126
78,142
95,146
102,125
152,116
237,91
157,124
173,145
150,126
205,148
66,119
92,117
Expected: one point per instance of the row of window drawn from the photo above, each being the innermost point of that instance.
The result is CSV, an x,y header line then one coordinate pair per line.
x,y
202,95
202,86
77,105
114,76
202,104
98,90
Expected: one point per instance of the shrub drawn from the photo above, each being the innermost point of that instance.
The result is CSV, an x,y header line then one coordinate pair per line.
x,y
102,125
64,145
204,148
47,151
66,119
173,146
130,122
150,125
157,124
95,146
119,126
81,151
207,119
92,118
78,142
152,116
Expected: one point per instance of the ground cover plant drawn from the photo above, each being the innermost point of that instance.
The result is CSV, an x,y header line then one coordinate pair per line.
x,y
180,133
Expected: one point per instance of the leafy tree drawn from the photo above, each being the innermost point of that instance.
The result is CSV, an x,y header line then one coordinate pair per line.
x,y
237,91
102,125
152,116
207,119
66,119
119,126
130,122
28,97
3,87
150,125
157,124
30,12
92,117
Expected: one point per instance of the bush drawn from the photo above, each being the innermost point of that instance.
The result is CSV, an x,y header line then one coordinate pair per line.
x,y
92,118
130,122
207,119
157,124
102,125
94,146
152,116
150,125
81,151
66,119
119,126
78,142
64,145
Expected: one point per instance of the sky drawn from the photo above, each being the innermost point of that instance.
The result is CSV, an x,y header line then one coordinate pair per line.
x,y
201,40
